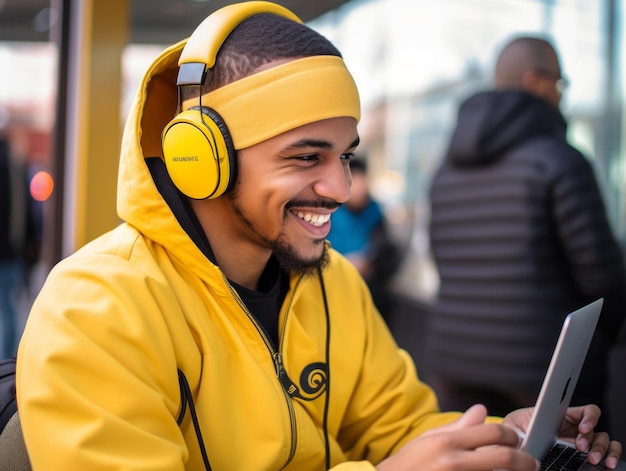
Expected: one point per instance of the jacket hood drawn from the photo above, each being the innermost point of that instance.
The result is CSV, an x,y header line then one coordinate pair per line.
x,y
140,202
490,123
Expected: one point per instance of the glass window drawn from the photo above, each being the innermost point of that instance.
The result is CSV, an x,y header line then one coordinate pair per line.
x,y
415,62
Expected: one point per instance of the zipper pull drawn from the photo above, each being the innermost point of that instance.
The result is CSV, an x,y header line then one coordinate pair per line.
x,y
284,379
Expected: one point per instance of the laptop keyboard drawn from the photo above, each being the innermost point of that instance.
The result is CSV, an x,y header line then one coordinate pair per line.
x,y
562,457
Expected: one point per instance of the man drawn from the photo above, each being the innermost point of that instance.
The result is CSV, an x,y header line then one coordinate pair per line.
x,y
359,231
520,238
287,364
19,244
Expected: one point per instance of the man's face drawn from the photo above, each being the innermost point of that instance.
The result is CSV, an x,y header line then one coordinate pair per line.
x,y
549,84
288,186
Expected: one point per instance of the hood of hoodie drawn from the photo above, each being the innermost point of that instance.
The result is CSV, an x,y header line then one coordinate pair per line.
x,y
139,201
490,123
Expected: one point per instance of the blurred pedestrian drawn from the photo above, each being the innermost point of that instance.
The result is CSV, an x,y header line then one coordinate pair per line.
x,y
359,230
18,243
520,238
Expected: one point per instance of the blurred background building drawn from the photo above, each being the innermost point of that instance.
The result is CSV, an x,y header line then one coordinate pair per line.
x,y
70,69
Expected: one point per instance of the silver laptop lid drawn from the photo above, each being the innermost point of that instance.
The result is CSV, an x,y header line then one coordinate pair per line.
x,y
560,380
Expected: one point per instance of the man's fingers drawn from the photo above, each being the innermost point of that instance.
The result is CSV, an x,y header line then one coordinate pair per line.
x,y
509,458
614,455
498,457
582,419
602,447
473,416
480,436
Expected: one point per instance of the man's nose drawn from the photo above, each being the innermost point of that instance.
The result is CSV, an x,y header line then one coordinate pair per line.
x,y
334,181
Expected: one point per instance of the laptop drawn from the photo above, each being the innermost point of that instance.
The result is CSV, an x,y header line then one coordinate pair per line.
x,y
541,438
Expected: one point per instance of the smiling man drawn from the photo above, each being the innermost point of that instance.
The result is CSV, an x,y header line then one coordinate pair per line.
x,y
215,327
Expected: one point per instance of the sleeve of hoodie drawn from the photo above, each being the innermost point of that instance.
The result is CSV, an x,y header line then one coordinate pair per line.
x,y
595,258
94,343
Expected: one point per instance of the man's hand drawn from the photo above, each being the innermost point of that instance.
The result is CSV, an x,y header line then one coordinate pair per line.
x,y
468,444
577,426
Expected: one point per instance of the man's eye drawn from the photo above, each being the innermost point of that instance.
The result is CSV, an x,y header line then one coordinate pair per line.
x,y
307,158
347,156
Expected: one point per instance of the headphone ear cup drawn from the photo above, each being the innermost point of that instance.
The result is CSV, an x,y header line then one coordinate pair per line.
x,y
228,160
199,153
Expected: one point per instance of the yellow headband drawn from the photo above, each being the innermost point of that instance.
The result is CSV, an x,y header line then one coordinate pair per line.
x,y
276,100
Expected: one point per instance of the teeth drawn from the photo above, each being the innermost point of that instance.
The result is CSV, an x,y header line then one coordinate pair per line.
x,y
315,219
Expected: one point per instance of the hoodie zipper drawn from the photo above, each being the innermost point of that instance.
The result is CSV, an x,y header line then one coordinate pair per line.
x,y
287,385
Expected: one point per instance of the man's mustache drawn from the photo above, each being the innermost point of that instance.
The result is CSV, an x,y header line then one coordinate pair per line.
x,y
320,203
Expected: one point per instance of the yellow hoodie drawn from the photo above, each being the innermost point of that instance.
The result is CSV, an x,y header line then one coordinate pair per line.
x,y
97,365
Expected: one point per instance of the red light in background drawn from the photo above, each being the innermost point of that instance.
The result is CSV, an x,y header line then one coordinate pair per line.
x,y
41,186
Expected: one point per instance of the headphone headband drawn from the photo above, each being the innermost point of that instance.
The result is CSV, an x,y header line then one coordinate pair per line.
x,y
198,148
200,52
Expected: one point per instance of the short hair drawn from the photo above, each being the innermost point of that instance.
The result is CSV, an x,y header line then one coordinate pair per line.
x,y
258,40
522,54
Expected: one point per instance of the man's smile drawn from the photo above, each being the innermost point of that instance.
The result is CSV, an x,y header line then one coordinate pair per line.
x,y
317,220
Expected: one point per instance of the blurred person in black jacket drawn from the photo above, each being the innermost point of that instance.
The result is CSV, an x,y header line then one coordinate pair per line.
x,y
19,244
520,238
360,231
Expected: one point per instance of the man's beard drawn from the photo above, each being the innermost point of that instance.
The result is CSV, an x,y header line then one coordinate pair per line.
x,y
285,253
291,262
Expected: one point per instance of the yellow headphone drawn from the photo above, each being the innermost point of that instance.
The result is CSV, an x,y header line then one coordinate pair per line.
x,y
197,147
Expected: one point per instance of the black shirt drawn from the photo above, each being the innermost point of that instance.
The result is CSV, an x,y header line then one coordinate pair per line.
x,y
265,303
